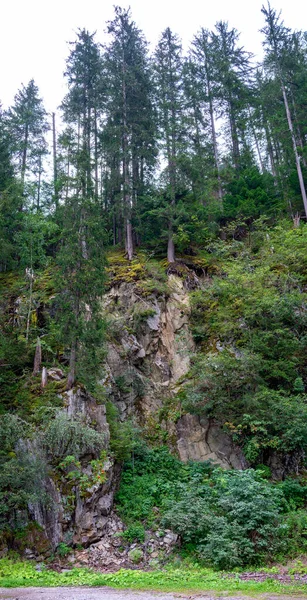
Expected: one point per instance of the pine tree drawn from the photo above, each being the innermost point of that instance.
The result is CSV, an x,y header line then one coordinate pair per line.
x,y
230,71
168,65
278,42
129,141
81,111
27,124
203,58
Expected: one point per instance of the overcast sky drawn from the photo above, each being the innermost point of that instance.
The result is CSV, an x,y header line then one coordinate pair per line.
x,y
34,33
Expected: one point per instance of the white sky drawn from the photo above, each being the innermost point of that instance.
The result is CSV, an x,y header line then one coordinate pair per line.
x,y
34,33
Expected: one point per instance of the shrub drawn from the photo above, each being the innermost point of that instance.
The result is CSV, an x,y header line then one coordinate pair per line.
x,y
63,436
124,436
63,550
22,473
233,520
134,533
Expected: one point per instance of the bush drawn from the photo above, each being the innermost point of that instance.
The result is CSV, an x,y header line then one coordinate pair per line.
x,y
124,436
63,436
134,533
22,473
63,550
233,520
228,518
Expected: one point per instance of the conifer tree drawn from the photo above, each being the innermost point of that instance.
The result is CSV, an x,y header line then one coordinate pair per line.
x,y
230,70
9,200
168,65
81,281
129,135
278,42
203,58
81,110
27,123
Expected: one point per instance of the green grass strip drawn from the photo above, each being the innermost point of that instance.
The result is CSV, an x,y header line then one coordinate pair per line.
x,y
24,574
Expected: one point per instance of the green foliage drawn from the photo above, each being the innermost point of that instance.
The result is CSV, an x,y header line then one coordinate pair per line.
x,y
80,262
35,235
22,473
124,435
295,492
183,579
26,453
149,480
63,550
227,518
251,194
232,520
63,436
134,533
250,328
136,555
72,475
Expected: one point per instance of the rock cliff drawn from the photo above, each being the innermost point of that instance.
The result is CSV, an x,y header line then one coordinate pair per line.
x,y
148,352
148,358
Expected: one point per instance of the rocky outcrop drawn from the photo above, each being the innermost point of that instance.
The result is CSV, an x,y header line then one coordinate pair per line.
x,y
147,363
201,440
148,357
85,521
150,346
114,552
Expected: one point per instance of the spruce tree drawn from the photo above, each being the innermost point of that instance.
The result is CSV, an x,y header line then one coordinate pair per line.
x,y
168,64
82,110
280,45
203,59
129,141
27,124
230,72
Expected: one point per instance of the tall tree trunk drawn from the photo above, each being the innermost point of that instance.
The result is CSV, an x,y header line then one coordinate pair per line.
x,y
55,170
256,140
24,157
297,158
79,182
96,153
299,135
171,153
172,181
129,239
37,357
72,366
170,245
270,149
67,173
89,182
214,136
30,276
127,193
234,136
39,183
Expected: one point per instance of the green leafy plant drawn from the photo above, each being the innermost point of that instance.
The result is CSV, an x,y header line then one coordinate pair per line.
x,y
134,533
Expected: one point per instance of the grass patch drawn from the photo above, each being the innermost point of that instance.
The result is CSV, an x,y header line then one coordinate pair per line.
x,y
24,574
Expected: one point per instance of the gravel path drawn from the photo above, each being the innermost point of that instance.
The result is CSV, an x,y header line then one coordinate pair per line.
x,y
109,594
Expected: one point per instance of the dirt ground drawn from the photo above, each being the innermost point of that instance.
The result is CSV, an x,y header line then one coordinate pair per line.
x,y
109,594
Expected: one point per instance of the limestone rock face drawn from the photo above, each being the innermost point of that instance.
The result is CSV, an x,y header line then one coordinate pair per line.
x,y
148,363
145,365
200,440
